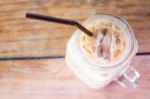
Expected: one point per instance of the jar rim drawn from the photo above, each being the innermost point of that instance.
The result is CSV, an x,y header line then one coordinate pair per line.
x,y
131,33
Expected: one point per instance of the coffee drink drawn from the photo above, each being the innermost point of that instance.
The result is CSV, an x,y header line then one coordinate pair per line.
x,y
99,59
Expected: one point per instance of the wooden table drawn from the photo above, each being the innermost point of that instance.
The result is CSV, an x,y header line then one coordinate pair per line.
x,y
32,52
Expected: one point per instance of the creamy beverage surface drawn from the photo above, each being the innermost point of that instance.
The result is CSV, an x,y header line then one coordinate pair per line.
x,y
109,44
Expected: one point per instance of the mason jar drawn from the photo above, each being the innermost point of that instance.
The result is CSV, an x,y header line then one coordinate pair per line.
x,y
98,76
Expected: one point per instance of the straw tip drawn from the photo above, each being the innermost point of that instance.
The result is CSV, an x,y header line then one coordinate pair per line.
x,y
27,14
91,34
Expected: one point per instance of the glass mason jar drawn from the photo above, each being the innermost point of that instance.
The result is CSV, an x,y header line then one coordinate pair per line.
x,y
96,76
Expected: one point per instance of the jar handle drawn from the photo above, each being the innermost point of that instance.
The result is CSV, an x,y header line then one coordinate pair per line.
x,y
129,79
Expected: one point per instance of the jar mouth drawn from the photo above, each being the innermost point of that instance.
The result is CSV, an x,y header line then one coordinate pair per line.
x,y
130,34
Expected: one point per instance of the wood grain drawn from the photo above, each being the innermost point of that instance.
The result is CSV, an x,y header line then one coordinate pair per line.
x,y
24,37
52,79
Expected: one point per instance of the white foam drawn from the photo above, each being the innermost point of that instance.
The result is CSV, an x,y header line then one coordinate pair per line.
x,y
96,20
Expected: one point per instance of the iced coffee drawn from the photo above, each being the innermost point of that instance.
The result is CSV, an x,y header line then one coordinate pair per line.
x,y
99,59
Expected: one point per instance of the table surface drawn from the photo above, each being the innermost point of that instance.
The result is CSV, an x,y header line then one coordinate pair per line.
x,y
32,52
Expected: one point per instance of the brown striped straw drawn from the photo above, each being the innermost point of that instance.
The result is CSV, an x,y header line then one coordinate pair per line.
x,y
59,20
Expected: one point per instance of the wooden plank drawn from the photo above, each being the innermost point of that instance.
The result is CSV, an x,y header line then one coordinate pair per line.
x,y
2,2
51,78
19,35
63,7
102,2
132,10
